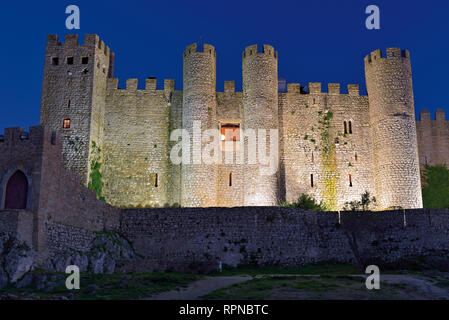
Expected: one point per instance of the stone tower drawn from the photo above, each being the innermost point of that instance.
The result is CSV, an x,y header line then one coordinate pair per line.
x,y
73,96
199,107
260,111
392,119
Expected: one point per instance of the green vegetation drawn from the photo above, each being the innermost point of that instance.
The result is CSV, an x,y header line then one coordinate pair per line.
x,y
95,177
365,204
324,268
110,286
305,287
435,190
305,202
328,158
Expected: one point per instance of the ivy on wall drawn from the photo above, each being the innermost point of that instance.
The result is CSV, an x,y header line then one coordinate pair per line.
x,y
329,162
95,177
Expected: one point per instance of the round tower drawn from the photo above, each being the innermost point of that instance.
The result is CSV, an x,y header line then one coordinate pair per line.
x,y
199,177
260,112
392,119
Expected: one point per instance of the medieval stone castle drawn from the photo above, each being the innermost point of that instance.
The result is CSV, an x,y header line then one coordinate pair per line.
x,y
332,145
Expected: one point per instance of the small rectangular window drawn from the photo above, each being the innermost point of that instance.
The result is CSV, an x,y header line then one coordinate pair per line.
x,y
85,60
350,180
311,180
69,60
350,127
55,61
230,179
66,124
345,127
356,157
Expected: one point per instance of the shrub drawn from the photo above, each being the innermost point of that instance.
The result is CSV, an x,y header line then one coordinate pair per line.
x,y
306,202
365,204
435,191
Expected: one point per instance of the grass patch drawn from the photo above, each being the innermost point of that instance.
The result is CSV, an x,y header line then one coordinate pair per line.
x,y
113,286
312,269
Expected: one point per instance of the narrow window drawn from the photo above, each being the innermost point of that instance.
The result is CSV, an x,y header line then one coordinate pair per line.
x,y
68,104
230,179
55,61
69,60
345,125
314,101
85,60
313,158
356,157
156,182
350,180
53,138
66,123
311,180
350,127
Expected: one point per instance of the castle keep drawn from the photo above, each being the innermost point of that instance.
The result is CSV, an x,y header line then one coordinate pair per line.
x,y
332,145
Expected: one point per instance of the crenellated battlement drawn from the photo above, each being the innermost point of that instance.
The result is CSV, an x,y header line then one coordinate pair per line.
x,y
207,49
332,88
440,116
391,53
132,84
71,41
37,135
252,50
229,86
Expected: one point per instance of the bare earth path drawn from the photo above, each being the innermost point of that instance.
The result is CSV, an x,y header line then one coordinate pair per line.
x,y
200,288
417,287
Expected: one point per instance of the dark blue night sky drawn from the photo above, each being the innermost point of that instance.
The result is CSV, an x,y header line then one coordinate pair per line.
x,y
318,41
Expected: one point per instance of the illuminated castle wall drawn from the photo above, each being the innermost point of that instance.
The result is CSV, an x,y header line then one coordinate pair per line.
x,y
332,145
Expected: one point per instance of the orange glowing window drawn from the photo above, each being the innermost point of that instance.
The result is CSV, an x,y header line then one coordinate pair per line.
x,y
230,132
66,123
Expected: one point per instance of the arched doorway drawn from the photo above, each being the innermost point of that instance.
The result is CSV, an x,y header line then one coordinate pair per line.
x,y
16,191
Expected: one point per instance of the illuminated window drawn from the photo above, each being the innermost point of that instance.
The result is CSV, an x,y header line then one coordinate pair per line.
x,y
230,132
66,123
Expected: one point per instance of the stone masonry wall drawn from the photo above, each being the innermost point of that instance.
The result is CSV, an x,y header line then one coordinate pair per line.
x,y
433,138
314,142
176,238
73,88
131,130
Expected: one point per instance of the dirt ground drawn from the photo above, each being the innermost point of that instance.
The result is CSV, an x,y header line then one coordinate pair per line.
x,y
432,286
